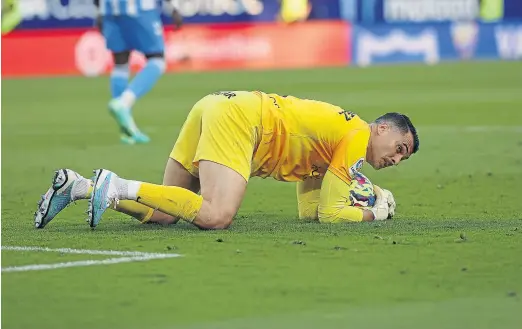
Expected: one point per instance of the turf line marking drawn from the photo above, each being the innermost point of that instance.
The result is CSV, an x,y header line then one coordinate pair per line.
x,y
82,251
127,256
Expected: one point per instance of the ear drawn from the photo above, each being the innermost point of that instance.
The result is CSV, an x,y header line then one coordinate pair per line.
x,y
383,128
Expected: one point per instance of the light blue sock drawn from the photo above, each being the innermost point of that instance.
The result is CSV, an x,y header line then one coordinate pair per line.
x,y
119,79
147,77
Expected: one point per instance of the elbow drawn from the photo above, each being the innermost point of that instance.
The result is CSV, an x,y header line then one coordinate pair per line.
x,y
308,213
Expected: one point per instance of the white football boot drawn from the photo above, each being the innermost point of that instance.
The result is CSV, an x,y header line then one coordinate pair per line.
x,y
105,193
67,186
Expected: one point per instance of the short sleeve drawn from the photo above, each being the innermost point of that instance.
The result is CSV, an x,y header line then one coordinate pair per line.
x,y
350,154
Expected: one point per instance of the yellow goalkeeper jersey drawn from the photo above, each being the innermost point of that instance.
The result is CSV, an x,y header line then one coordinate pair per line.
x,y
302,139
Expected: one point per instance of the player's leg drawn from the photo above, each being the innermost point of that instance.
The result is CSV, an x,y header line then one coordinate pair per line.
x,y
120,73
228,138
145,79
175,175
222,190
179,171
308,196
69,186
145,34
114,40
114,30
148,39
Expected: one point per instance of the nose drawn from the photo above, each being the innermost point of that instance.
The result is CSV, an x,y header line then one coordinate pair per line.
x,y
396,159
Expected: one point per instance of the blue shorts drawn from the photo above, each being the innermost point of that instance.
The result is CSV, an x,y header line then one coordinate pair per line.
x,y
143,33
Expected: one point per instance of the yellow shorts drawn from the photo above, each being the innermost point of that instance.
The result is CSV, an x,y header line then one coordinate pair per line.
x,y
224,128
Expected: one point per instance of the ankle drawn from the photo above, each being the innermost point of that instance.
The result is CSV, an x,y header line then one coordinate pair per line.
x,y
82,189
128,189
128,98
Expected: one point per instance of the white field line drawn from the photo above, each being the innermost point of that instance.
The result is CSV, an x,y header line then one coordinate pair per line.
x,y
127,256
81,251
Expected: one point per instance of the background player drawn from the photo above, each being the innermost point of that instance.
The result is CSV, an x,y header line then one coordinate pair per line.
x,y
229,137
133,25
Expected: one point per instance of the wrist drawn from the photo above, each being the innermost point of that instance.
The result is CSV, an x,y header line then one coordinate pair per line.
x,y
368,215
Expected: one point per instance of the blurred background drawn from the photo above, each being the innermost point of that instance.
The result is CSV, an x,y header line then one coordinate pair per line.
x,y
269,34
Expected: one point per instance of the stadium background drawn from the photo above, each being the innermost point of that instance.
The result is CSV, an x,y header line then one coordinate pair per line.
x,y
244,34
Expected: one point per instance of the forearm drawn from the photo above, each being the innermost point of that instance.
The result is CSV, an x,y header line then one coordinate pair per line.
x,y
344,214
335,207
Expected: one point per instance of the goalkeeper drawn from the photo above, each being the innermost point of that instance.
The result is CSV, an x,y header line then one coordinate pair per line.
x,y
229,137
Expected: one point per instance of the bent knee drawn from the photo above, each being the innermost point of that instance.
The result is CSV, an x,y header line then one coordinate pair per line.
x,y
218,220
308,214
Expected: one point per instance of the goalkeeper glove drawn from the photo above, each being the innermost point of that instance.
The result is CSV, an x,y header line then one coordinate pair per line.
x,y
391,203
384,205
380,211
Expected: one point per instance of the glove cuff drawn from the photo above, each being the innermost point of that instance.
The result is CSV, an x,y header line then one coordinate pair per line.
x,y
380,212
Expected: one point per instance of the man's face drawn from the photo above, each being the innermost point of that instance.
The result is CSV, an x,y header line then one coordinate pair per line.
x,y
388,147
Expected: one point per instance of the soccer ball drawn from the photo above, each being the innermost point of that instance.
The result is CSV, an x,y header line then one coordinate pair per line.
x,y
361,190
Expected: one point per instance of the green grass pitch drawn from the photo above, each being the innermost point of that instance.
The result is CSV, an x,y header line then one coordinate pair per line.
x,y
412,272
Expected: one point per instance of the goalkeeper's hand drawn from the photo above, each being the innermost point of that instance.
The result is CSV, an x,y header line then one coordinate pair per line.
x,y
391,203
384,201
380,210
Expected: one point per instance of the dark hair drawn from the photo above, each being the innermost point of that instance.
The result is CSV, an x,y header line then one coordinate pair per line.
x,y
403,123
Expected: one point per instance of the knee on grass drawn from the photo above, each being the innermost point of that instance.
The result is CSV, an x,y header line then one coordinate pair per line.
x,y
217,219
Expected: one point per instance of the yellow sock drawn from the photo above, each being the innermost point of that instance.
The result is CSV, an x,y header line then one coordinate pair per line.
x,y
172,200
137,210
132,208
